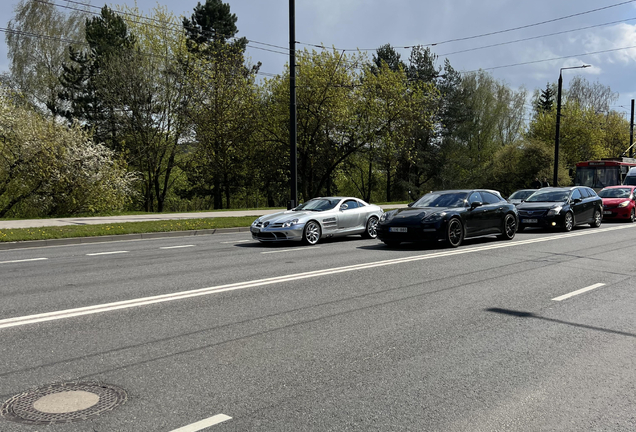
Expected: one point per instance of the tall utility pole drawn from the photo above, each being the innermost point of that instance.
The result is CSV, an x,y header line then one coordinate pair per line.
x,y
558,124
631,132
292,107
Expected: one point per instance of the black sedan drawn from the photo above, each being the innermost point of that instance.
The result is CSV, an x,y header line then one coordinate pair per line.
x,y
450,216
562,207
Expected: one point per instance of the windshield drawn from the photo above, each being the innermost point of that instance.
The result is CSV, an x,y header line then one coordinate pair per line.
x,y
597,177
521,194
319,204
615,193
630,181
435,199
549,196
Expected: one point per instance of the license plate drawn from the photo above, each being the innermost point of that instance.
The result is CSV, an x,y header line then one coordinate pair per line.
x,y
397,229
528,221
607,212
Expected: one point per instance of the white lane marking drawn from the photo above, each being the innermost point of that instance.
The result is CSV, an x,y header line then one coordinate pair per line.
x,y
194,427
577,292
126,304
106,253
235,241
292,250
23,260
176,247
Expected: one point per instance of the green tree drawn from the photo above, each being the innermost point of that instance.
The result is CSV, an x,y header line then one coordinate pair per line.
x,y
82,98
37,40
545,101
212,25
47,168
223,115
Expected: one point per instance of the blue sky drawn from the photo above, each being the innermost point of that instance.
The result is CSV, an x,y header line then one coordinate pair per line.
x,y
368,24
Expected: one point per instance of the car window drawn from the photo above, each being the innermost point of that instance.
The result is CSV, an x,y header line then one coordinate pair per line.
x,y
489,198
435,199
548,196
351,204
576,194
474,197
522,194
584,193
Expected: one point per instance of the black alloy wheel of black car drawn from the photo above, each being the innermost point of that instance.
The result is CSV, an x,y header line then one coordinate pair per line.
x,y
454,232
509,227
598,218
371,231
311,233
568,222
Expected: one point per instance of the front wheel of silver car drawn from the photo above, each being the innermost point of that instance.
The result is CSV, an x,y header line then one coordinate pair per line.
x,y
311,233
371,230
597,220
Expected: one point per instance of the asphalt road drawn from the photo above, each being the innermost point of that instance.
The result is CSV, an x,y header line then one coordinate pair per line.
x,y
221,333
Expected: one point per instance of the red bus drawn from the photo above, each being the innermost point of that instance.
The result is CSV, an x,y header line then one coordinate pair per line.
x,y
598,174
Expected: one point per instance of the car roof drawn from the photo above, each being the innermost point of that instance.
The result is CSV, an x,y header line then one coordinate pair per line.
x,y
619,186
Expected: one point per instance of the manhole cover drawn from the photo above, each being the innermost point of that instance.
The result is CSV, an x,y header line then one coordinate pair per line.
x,y
63,403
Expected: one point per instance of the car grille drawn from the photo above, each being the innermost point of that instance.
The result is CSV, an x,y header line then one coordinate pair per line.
x,y
270,236
610,206
532,213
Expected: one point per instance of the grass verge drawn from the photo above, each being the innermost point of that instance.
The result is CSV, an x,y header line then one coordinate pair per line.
x,y
58,232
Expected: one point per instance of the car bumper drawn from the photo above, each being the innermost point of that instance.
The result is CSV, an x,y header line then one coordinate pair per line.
x,y
617,213
541,221
418,233
268,234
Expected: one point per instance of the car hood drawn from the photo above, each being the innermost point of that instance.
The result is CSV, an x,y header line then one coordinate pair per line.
x,y
418,213
614,201
539,205
288,215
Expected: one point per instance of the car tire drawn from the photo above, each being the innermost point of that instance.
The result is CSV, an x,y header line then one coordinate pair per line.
x,y
311,233
370,231
568,222
454,232
597,219
509,228
632,216
391,243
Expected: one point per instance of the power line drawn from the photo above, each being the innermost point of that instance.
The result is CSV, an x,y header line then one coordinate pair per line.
x,y
485,34
555,58
536,37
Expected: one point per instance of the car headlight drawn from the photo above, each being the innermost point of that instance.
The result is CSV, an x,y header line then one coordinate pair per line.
x,y
624,204
555,211
435,217
386,216
289,223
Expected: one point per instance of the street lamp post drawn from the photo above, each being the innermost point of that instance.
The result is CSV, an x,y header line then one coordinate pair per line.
x,y
558,124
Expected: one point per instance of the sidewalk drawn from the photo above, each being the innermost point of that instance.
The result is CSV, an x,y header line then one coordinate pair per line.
x,y
37,223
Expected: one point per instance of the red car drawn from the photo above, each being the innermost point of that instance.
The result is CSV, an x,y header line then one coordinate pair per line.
x,y
618,203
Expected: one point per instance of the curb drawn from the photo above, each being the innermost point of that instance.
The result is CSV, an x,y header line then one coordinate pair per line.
x,y
111,238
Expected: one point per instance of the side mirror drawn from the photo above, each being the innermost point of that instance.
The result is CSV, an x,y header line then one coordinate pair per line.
x,y
344,207
476,204
577,200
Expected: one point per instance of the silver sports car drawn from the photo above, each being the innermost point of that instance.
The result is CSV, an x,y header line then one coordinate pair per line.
x,y
319,218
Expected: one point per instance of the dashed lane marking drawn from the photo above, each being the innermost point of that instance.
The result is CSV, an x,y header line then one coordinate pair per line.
x,y
23,260
577,292
194,427
106,253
